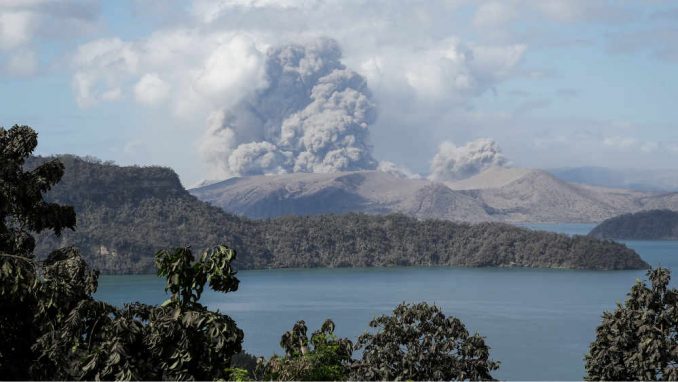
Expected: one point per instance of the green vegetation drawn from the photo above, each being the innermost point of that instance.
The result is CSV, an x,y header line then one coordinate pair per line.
x,y
52,328
127,213
644,225
639,340
325,358
419,343
78,338
26,303
416,343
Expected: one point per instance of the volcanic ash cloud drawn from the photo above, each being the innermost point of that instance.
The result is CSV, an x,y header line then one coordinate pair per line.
x,y
312,116
453,162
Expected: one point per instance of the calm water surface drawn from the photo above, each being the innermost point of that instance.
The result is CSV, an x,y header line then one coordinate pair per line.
x,y
538,322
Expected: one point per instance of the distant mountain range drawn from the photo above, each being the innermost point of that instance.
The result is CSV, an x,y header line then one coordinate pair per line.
x,y
125,214
497,194
632,179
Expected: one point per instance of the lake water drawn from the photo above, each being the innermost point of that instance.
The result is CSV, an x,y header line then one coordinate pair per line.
x,y
538,322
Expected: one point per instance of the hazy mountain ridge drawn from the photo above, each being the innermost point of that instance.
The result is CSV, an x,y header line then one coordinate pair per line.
x,y
537,196
497,194
125,214
661,201
657,180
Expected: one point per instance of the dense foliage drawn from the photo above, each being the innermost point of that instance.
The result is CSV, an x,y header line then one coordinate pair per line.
x,y
80,338
644,225
324,358
418,342
125,213
51,326
639,340
366,240
24,300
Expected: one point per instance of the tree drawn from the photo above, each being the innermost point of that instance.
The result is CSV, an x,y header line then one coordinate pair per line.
x,y
22,211
51,326
179,340
188,340
639,340
417,343
328,359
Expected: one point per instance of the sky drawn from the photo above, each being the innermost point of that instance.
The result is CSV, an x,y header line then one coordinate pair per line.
x,y
221,88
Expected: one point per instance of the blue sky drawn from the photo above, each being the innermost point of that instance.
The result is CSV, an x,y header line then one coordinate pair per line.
x,y
553,83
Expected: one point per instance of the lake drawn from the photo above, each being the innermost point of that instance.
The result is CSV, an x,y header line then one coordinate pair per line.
x,y
538,322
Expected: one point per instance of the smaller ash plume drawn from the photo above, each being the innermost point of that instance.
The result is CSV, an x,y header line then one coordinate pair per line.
x,y
453,162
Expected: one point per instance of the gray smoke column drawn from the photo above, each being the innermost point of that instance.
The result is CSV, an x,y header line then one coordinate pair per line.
x,y
453,162
313,116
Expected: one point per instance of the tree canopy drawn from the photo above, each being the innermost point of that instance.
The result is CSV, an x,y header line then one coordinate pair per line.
x,y
418,342
639,339
642,225
22,211
324,358
52,327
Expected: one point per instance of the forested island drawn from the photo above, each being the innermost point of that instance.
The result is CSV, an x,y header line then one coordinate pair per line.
x,y
126,214
644,225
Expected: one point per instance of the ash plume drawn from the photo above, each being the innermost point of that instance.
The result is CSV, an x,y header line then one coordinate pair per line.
x,y
453,162
313,116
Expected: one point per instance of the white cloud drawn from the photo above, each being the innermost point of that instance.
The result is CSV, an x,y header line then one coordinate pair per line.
x,y
102,66
15,29
231,67
23,23
650,147
621,143
151,89
210,10
446,72
194,71
494,14
583,10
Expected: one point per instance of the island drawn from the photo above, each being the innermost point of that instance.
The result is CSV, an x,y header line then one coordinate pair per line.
x,y
126,214
643,225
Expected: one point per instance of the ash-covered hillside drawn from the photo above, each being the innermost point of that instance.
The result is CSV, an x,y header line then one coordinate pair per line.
x,y
125,214
495,194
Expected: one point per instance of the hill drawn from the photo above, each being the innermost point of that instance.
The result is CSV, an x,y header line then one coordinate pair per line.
x,y
497,194
661,201
645,225
370,192
537,196
125,214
